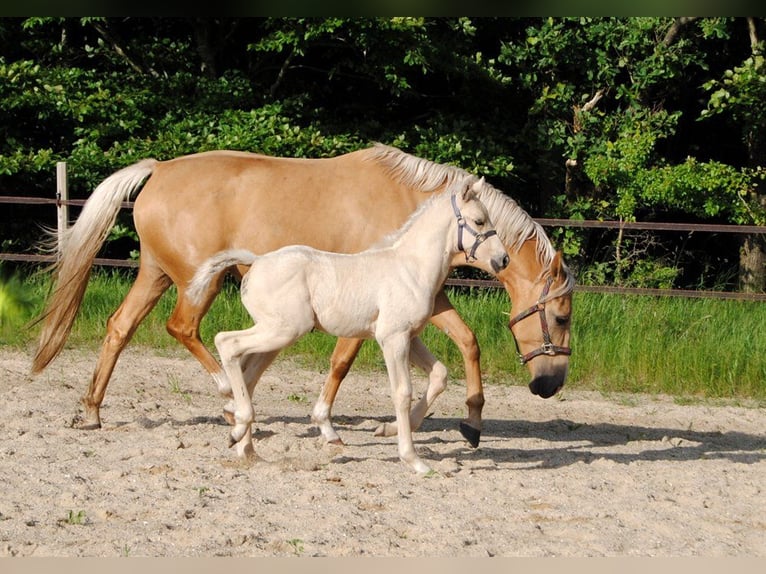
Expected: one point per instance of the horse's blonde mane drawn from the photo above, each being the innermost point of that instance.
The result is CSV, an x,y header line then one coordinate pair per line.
x,y
514,225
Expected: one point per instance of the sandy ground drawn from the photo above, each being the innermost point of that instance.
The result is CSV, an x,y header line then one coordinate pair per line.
x,y
580,475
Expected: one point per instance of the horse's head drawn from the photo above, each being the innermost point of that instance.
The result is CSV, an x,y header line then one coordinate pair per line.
x,y
540,322
476,235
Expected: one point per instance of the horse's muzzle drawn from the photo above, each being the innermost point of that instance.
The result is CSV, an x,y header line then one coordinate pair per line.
x,y
501,263
546,386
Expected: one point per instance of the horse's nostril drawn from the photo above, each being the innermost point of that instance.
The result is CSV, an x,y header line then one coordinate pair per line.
x,y
506,261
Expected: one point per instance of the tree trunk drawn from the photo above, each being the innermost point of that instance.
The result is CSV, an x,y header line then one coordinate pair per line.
x,y
573,168
752,253
752,264
205,48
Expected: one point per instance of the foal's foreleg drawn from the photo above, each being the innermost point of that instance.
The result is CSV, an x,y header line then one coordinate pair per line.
x,y
396,351
422,358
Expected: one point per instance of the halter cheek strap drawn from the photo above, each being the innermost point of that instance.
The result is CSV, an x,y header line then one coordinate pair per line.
x,y
463,225
547,348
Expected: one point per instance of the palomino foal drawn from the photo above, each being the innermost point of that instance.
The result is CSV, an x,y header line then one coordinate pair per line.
x,y
386,293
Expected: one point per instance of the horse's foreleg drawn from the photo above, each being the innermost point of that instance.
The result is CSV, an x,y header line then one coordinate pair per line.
x,y
422,358
447,319
342,358
396,351
150,284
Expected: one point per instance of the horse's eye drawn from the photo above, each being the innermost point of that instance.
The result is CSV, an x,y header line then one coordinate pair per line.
x,y
562,320
479,223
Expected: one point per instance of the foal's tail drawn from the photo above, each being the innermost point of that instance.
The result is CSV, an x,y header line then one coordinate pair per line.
x,y
79,248
213,267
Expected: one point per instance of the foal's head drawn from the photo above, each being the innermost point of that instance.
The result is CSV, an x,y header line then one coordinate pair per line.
x,y
476,235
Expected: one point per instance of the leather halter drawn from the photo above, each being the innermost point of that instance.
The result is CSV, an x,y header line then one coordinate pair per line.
x,y
462,225
547,348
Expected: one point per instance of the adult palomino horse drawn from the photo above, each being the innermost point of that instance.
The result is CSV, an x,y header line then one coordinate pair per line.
x,y
386,293
194,206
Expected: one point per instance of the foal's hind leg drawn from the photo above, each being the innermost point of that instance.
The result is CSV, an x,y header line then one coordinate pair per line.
x,y
150,284
263,343
342,358
422,358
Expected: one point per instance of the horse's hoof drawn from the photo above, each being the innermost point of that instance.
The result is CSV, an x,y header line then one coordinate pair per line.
x,y
78,422
337,441
470,434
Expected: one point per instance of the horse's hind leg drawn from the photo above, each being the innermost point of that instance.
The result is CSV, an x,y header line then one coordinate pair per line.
x,y
447,320
183,324
150,284
422,358
342,358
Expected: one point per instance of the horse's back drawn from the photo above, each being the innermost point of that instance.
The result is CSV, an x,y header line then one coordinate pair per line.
x,y
195,205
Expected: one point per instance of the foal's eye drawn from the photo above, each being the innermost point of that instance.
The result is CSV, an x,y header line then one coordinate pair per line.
x,y
562,320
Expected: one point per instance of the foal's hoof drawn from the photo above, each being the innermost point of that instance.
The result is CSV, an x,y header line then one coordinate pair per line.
x,y
470,434
228,416
385,429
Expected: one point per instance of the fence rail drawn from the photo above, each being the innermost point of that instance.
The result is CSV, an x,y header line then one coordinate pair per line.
x,y
62,203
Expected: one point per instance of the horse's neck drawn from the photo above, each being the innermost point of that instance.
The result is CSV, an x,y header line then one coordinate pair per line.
x,y
524,270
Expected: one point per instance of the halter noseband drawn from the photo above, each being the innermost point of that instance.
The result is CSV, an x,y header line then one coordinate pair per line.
x,y
461,225
547,348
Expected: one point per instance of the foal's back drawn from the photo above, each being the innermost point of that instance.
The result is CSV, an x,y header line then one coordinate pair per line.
x,y
340,294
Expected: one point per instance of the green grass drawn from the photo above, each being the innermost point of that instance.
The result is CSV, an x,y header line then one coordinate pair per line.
x,y
688,348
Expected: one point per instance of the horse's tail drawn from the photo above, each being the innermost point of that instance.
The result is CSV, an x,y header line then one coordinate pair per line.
x,y
213,267
79,247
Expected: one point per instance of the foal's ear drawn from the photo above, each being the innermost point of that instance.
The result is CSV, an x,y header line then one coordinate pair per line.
x,y
471,191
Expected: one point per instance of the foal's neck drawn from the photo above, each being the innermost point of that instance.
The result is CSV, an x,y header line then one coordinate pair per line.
x,y
429,244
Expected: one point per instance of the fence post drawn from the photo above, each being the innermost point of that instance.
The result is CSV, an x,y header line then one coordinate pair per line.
x,y
62,208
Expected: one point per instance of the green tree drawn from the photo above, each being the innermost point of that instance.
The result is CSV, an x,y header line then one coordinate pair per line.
x,y
631,118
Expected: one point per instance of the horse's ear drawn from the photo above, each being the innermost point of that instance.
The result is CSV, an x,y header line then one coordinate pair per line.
x,y
557,270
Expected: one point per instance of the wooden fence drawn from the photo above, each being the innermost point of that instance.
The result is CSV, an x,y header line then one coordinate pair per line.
x,y
62,203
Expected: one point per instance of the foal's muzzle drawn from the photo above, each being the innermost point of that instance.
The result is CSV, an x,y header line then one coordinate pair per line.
x,y
502,263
